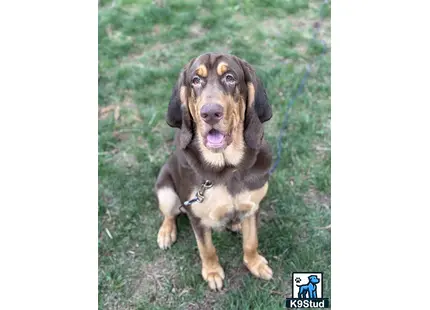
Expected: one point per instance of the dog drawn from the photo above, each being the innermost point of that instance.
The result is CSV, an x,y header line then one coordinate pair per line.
x,y
310,289
218,107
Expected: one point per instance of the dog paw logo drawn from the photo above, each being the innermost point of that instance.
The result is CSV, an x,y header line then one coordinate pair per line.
x,y
298,280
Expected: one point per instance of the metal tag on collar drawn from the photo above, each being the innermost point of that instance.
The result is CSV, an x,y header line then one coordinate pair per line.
x,y
200,194
207,184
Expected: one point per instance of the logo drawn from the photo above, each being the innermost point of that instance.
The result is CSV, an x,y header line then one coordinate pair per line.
x,y
307,291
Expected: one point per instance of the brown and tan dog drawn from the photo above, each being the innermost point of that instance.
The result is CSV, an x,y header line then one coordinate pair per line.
x,y
219,106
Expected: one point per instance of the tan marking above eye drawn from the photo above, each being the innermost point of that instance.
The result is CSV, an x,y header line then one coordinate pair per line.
x,y
202,71
221,68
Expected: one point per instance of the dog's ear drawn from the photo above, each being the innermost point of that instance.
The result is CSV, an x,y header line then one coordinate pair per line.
x,y
178,115
174,113
258,109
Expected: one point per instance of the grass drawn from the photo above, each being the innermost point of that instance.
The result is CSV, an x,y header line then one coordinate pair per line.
x,y
142,47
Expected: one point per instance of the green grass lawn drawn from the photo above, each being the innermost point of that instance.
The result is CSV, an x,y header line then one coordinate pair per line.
x,y
142,47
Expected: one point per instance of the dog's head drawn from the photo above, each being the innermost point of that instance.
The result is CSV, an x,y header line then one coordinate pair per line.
x,y
313,279
220,99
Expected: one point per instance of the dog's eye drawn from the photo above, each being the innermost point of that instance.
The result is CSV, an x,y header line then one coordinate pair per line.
x,y
229,78
196,80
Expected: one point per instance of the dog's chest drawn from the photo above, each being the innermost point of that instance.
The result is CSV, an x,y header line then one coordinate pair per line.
x,y
220,207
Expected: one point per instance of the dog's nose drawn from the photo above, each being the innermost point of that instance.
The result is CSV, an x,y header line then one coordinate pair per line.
x,y
212,113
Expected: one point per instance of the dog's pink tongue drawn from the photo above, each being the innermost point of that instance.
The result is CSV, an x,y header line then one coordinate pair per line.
x,y
215,137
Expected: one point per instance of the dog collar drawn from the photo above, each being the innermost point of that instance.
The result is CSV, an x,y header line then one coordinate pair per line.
x,y
199,196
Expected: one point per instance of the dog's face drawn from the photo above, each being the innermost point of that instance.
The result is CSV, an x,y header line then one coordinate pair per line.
x,y
314,279
216,99
219,99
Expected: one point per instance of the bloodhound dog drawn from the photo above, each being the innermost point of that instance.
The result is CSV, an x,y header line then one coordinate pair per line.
x,y
218,107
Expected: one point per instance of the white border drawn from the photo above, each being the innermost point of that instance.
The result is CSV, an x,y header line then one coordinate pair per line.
x,y
380,175
380,155
48,196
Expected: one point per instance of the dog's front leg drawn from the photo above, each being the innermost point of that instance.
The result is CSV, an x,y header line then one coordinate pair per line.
x,y
212,271
313,293
256,263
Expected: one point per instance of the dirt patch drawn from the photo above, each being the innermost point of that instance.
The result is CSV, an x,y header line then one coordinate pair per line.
x,y
273,27
126,107
315,197
197,31
267,213
324,32
239,18
159,3
321,149
125,160
154,280
236,277
104,112
134,57
210,299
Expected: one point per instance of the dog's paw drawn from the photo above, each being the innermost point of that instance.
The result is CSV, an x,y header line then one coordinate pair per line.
x,y
214,276
167,234
259,267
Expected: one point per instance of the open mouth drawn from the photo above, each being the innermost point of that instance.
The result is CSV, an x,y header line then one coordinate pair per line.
x,y
215,139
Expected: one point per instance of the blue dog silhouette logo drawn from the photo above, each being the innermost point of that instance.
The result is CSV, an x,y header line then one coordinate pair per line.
x,y
308,290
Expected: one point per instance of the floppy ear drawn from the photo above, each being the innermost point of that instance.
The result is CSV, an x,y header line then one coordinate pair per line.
x,y
261,102
258,109
174,112
178,115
